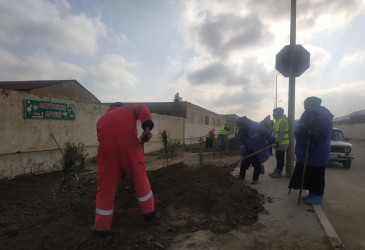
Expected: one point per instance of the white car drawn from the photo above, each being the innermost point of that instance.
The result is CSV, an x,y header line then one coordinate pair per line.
x,y
340,148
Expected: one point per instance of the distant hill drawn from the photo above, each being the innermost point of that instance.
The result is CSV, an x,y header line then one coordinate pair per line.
x,y
347,117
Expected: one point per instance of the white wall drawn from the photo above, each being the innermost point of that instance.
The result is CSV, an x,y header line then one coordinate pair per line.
x,y
173,125
353,131
27,145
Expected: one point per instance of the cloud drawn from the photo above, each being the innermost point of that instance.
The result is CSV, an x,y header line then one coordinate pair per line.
x,y
36,67
212,74
225,60
44,24
113,72
319,60
355,58
340,99
314,17
235,44
223,34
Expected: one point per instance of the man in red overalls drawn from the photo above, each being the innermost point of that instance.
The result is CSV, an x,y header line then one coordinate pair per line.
x,y
120,152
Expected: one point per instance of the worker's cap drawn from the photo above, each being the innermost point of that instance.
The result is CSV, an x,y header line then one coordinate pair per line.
x,y
242,121
278,111
312,101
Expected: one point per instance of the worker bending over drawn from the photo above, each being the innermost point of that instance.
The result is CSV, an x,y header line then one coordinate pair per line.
x,y
120,152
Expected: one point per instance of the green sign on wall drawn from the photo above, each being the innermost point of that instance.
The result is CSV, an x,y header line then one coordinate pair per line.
x,y
48,110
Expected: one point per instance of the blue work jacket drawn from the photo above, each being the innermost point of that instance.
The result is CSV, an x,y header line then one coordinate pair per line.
x,y
314,124
258,137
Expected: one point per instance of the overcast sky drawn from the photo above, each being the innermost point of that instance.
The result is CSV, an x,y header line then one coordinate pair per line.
x,y
219,55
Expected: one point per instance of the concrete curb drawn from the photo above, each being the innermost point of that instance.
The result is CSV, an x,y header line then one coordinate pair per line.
x,y
333,237
328,228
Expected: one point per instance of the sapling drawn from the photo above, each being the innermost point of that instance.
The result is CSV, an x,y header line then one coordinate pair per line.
x,y
72,161
165,146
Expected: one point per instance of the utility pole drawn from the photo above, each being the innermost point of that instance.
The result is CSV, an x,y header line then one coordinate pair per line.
x,y
292,61
276,91
291,104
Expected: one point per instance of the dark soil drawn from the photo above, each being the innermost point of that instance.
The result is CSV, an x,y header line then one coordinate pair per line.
x,y
189,199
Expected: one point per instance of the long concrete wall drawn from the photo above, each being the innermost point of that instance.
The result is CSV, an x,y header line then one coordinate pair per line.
x,y
27,145
174,127
353,131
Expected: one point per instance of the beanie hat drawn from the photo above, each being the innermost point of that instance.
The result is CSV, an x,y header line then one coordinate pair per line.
x,y
312,101
278,111
242,121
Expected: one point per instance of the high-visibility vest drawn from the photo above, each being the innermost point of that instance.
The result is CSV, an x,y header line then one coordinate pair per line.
x,y
223,130
285,138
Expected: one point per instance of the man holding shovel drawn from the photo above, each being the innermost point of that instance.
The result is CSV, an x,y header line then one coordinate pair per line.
x,y
253,138
312,150
119,153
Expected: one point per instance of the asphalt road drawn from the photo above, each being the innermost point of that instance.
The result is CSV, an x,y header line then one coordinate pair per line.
x,y
344,198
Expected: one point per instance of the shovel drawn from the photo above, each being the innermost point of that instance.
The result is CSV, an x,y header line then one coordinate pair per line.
x,y
254,153
258,151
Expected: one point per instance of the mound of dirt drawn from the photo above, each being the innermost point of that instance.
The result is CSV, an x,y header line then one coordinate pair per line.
x,y
190,199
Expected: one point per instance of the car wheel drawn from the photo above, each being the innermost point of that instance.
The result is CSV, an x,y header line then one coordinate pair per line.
x,y
347,164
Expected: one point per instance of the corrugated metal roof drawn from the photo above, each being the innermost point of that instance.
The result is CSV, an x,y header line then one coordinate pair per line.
x,y
29,85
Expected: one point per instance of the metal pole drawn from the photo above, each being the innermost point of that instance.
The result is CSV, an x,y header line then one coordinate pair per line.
x,y
276,91
291,104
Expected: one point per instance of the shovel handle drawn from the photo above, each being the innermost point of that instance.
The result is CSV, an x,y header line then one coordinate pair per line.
x,y
258,151
304,170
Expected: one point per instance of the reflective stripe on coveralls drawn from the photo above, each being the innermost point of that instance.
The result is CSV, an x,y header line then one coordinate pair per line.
x,y
149,195
103,212
285,138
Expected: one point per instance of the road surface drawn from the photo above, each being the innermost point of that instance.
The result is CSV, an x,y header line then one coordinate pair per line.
x,y
344,198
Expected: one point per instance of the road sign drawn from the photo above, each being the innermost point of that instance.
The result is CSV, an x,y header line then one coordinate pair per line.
x,y
302,60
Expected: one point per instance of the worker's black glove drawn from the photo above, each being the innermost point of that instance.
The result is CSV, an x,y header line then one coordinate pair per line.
x,y
146,136
275,144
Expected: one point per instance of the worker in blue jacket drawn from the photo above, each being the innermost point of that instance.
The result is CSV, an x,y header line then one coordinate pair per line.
x,y
252,137
314,125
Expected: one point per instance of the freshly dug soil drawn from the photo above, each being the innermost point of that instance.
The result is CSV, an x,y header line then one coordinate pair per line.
x,y
189,198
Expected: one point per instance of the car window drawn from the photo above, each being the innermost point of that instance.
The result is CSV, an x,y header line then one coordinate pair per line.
x,y
337,135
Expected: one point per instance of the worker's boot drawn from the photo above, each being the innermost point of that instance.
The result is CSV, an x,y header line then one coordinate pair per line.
x,y
304,198
241,177
277,174
100,234
152,217
314,199
262,169
273,172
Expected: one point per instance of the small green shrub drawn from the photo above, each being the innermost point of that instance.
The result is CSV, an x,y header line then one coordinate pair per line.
x,y
73,159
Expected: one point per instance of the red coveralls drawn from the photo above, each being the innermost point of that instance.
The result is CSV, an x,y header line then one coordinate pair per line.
x,y
120,152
